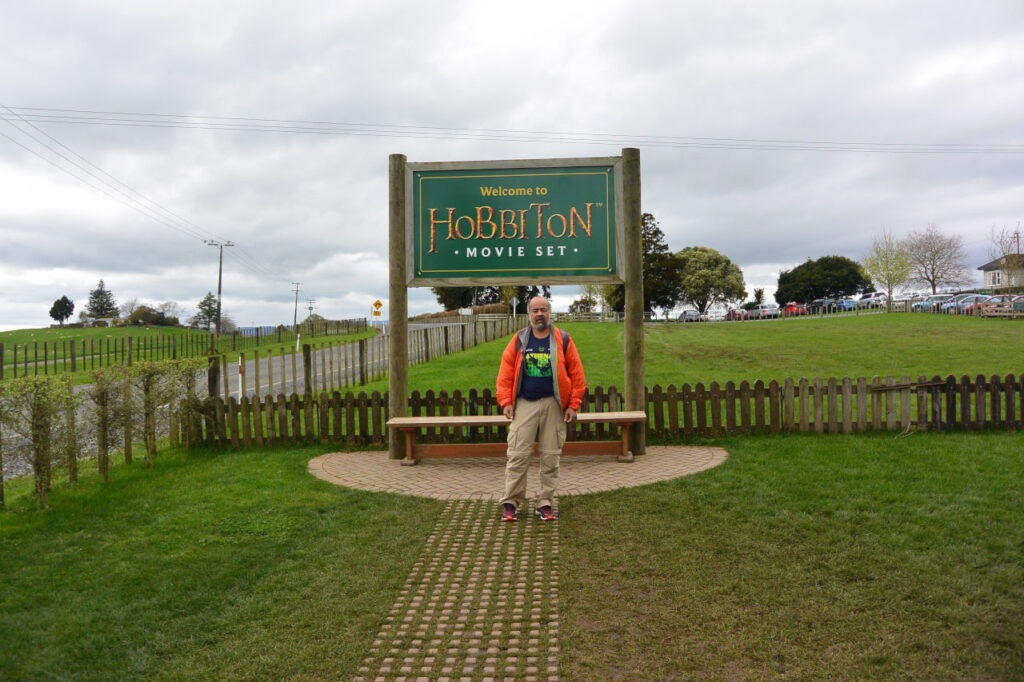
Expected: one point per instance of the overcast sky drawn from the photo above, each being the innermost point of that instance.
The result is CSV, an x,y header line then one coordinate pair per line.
x,y
437,81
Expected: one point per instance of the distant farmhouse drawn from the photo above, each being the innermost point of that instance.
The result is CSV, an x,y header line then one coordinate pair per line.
x,y
1005,272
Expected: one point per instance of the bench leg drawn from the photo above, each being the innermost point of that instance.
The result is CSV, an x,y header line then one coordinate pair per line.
x,y
409,459
625,455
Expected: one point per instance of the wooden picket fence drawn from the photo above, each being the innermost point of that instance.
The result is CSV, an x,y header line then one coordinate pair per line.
x,y
824,406
64,356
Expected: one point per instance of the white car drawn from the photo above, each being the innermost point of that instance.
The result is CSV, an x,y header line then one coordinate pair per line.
x,y
765,310
876,299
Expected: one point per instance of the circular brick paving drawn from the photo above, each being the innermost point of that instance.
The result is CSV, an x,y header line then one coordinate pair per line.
x,y
483,478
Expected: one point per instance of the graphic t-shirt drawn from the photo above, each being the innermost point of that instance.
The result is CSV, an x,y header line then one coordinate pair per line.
x,y
537,381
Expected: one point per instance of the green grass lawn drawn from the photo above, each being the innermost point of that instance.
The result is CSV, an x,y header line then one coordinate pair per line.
x,y
802,557
867,345
209,566
852,558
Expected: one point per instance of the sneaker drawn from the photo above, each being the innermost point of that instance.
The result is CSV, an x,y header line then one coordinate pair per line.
x,y
509,512
546,513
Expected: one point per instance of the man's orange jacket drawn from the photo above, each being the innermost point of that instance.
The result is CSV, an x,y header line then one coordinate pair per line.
x,y
571,382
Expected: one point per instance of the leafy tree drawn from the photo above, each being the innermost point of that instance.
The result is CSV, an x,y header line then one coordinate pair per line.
x,y
758,296
453,298
62,309
583,304
888,264
172,313
101,302
936,259
660,271
107,393
828,276
31,407
144,315
707,277
206,312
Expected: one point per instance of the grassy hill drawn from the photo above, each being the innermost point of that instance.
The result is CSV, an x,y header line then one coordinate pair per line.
x,y
896,344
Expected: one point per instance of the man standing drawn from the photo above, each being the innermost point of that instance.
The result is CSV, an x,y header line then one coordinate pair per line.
x,y
540,388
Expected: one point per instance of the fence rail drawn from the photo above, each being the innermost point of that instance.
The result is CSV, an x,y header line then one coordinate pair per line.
x,y
64,356
824,406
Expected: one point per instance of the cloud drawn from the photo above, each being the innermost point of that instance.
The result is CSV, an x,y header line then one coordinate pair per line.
x,y
312,208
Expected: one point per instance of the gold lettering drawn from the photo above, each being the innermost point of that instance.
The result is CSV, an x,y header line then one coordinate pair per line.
x,y
480,220
574,216
565,226
433,227
458,232
509,220
540,219
522,222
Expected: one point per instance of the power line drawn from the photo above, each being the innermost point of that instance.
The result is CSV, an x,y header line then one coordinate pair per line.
x,y
265,125
116,189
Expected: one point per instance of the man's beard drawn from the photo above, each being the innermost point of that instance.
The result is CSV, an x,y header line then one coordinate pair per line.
x,y
540,324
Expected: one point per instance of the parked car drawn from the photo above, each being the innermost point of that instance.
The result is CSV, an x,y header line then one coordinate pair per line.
x,y
737,314
930,303
689,316
765,310
875,299
814,307
952,306
845,304
961,304
716,315
911,296
794,308
976,306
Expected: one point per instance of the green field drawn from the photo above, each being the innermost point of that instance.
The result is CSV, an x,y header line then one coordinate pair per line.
x,y
867,345
871,556
107,344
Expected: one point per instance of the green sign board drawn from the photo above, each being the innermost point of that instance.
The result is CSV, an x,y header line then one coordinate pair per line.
x,y
515,222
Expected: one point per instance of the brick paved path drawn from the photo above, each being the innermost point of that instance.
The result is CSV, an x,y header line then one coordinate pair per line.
x,y
483,478
481,602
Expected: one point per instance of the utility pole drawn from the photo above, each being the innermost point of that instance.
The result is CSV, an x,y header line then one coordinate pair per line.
x,y
295,315
220,272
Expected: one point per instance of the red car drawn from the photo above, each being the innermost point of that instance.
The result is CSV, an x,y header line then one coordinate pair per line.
x,y
794,308
737,314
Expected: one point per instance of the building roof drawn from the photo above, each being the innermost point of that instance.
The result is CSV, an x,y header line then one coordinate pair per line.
x,y
1012,261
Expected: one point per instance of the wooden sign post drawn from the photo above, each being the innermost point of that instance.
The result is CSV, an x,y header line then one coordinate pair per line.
x,y
541,221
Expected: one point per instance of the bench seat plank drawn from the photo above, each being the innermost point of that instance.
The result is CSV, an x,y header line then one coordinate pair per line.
x,y
500,420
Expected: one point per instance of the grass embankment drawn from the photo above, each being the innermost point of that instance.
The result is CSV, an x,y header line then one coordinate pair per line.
x,y
893,344
209,566
58,338
802,557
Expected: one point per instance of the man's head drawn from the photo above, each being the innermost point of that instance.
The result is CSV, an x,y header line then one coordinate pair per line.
x,y
540,313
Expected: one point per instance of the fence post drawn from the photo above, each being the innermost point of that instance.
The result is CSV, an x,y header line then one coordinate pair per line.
x,y
1,378
129,354
362,362
213,376
307,369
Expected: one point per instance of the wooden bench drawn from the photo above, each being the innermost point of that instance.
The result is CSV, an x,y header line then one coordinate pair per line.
x,y
415,451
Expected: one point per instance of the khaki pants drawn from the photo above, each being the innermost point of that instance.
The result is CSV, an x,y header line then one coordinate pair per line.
x,y
541,421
